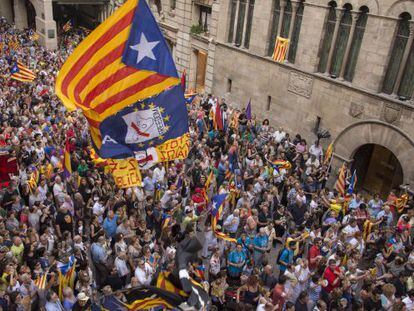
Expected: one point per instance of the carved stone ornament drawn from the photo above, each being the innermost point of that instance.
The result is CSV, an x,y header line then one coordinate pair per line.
x,y
356,110
391,113
300,84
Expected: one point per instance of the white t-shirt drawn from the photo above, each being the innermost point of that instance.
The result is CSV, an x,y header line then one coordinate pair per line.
x,y
144,276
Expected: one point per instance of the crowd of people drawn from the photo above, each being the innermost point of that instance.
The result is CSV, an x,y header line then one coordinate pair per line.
x,y
299,245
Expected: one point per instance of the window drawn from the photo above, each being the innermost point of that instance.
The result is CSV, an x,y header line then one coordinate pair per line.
x,y
344,31
233,8
229,83
400,44
295,35
241,17
356,44
274,26
240,22
341,41
327,40
287,16
269,102
249,24
204,18
406,88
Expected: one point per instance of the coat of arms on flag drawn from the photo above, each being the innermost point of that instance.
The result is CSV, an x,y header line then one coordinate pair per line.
x,y
143,125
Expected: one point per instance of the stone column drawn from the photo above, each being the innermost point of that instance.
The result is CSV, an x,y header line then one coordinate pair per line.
x,y
404,60
295,6
20,14
46,25
349,43
282,13
335,35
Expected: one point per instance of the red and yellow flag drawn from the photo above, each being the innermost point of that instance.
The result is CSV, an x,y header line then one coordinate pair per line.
x,y
340,183
95,77
281,46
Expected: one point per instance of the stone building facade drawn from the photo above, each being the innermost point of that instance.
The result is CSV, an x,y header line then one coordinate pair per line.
x,y
351,74
43,15
349,70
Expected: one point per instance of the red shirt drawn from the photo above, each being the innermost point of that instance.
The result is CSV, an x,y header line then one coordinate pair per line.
x,y
278,297
331,277
313,253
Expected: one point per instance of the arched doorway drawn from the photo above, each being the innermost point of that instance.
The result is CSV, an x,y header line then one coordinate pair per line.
x,y
31,15
378,169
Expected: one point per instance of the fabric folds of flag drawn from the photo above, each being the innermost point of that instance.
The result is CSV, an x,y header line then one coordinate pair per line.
x,y
66,276
67,166
33,179
143,298
125,62
352,183
249,110
328,154
340,182
21,73
14,45
401,203
183,80
41,281
280,164
218,120
67,26
280,50
216,211
189,98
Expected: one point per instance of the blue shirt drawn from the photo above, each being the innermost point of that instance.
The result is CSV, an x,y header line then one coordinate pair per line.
x,y
98,253
148,184
110,226
285,256
236,258
260,241
354,204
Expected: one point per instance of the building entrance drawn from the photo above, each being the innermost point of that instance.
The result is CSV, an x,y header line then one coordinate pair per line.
x,y
378,170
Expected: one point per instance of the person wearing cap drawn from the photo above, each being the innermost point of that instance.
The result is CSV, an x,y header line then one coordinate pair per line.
x,y
82,303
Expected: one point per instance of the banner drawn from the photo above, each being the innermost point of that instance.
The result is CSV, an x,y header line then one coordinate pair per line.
x,y
177,148
125,172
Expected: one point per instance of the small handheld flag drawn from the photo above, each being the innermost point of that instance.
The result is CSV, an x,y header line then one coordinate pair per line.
x,y
351,187
67,166
67,26
340,183
249,110
216,211
21,73
183,80
328,154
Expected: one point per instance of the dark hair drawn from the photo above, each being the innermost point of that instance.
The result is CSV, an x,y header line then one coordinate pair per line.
x,y
282,279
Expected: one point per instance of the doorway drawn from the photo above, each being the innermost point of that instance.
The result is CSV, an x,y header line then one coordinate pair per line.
x,y
31,15
201,71
378,170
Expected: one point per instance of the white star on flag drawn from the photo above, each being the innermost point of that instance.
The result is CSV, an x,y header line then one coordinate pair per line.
x,y
144,48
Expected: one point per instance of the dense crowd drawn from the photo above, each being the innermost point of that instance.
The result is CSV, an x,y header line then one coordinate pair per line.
x,y
300,246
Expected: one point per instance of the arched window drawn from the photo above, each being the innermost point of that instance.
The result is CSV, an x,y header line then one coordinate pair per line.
x,y
356,44
233,8
249,24
287,16
406,88
327,40
295,35
274,25
240,22
341,41
400,42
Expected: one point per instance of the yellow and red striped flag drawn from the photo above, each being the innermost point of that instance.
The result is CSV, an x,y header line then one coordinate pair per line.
x,y
67,26
21,73
40,282
340,183
401,203
281,46
14,45
124,61
328,154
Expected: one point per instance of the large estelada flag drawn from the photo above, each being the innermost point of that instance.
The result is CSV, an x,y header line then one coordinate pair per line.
x,y
123,78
